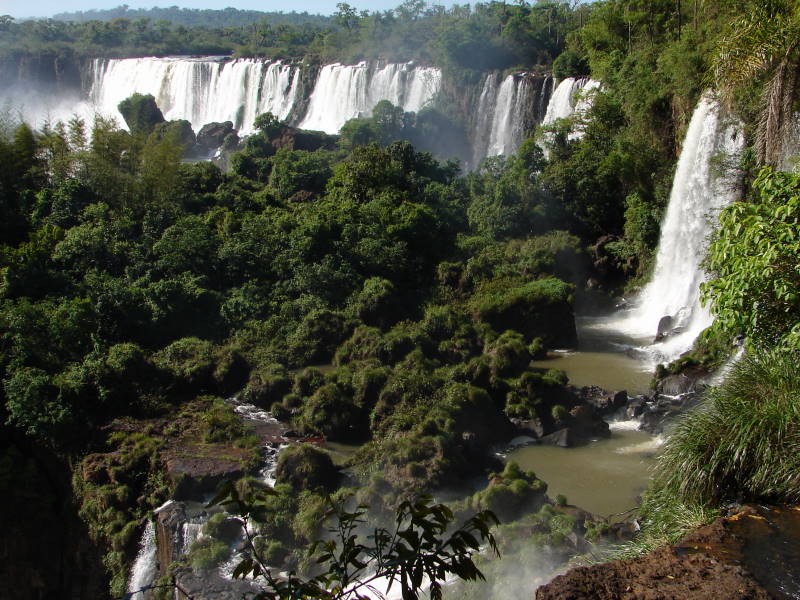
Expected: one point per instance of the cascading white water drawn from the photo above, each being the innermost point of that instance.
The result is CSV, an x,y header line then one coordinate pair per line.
x,y
344,92
696,198
509,115
485,116
572,96
200,90
144,567
504,111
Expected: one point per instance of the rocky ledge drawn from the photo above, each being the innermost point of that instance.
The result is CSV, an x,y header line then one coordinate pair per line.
x,y
753,554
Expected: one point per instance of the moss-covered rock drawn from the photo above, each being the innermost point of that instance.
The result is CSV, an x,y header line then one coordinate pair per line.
x,y
304,467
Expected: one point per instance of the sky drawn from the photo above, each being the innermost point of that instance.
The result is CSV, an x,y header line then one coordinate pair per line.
x,y
46,8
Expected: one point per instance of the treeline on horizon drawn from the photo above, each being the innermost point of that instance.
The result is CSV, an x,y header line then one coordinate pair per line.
x,y
490,35
196,17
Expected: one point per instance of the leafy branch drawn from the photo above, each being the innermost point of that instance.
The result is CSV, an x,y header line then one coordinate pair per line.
x,y
415,554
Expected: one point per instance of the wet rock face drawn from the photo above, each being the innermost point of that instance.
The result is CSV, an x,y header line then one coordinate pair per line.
x,y
46,550
212,135
210,585
197,476
753,555
169,529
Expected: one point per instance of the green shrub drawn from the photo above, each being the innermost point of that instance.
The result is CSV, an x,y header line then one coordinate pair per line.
x,y
220,423
267,385
223,528
742,441
206,553
304,467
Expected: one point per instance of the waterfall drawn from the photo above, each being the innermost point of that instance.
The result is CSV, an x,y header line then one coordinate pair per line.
x,y
505,112
509,116
200,90
696,198
144,567
573,96
344,92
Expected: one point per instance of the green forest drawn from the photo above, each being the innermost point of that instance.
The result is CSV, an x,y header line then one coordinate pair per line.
x,y
365,291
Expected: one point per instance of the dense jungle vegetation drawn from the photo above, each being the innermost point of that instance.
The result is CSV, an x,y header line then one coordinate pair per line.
x,y
137,288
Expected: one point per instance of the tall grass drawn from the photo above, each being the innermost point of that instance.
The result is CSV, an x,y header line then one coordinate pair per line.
x,y
742,443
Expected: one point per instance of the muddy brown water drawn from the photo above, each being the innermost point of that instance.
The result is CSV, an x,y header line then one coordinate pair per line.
x,y
610,370
604,477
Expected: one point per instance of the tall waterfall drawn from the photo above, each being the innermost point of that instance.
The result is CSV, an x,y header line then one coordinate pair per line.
x,y
506,111
344,92
697,196
144,567
200,90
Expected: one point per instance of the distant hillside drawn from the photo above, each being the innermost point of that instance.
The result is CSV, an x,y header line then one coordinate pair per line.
x,y
193,17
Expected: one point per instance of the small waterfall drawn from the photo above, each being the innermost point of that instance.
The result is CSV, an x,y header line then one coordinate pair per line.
x,y
344,92
572,96
200,90
506,112
697,197
145,566
509,116
485,116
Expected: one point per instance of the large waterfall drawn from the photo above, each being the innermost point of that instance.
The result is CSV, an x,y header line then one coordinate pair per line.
x,y
203,90
698,194
200,90
343,92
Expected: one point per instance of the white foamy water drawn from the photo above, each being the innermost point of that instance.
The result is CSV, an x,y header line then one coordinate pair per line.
x,y
344,92
572,97
37,108
646,447
697,197
200,90
565,99
144,568
503,111
626,425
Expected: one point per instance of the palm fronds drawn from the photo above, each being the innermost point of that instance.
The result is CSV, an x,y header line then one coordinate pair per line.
x,y
764,42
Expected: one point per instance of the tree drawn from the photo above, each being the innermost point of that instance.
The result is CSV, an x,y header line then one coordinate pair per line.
x,y
764,42
755,256
414,554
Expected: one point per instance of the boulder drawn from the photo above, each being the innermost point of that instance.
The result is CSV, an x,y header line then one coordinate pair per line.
x,y
664,328
141,113
529,427
196,476
213,135
562,438
296,139
605,402
674,385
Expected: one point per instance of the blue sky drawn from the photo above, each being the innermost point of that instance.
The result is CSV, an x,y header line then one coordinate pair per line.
x,y
45,8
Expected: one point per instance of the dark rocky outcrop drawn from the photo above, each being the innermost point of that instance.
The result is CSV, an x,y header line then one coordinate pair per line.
x,y
750,555
197,475
46,551
141,113
179,131
297,139
212,136
210,585
582,424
